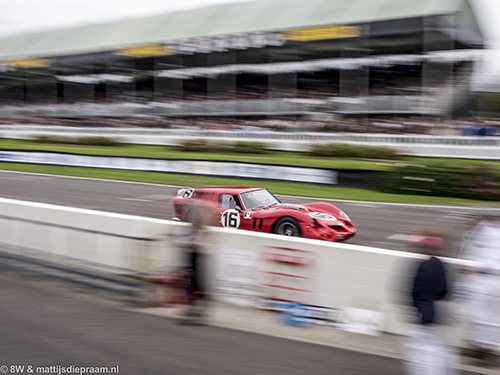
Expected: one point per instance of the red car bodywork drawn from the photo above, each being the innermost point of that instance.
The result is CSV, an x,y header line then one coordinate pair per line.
x,y
322,221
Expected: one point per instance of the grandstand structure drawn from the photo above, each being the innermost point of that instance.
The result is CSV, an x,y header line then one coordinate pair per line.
x,y
259,58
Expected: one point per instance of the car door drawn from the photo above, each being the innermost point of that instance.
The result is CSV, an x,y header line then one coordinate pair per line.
x,y
248,219
229,202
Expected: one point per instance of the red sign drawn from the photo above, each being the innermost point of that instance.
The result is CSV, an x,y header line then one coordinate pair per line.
x,y
289,259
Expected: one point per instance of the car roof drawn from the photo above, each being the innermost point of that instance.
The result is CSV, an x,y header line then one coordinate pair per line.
x,y
228,189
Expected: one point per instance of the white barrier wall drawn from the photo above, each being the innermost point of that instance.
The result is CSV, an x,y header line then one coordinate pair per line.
x,y
311,272
248,268
98,239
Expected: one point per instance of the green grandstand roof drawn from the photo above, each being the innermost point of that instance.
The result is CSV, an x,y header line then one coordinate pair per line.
x,y
264,15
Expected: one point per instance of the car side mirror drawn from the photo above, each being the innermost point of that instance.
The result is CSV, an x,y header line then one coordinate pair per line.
x,y
238,208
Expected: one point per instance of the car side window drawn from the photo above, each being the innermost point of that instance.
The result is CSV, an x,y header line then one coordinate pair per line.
x,y
227,201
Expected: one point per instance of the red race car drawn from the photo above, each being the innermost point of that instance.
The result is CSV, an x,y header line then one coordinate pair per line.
x,y
256,209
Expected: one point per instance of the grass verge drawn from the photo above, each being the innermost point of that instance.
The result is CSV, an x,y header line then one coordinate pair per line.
x,y
280,158
165,152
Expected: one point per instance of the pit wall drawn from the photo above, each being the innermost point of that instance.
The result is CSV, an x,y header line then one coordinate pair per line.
x,y
100,240
362,286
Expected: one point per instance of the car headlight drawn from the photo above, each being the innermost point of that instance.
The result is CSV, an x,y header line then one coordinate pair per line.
x,y
344,215
322,216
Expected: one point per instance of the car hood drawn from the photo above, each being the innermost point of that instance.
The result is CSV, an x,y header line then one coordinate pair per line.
x,y
317,213
291,206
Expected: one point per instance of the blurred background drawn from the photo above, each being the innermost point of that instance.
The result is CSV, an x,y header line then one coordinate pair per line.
x,y
410,78
318,62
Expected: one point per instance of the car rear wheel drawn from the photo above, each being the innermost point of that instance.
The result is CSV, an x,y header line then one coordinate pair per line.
x,y
288,226
198,215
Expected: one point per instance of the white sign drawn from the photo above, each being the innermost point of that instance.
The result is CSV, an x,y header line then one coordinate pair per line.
x,y
363,321
209,168
228,42
235,277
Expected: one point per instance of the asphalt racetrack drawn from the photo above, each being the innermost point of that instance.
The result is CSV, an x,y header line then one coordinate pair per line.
x,y
382,225
46,324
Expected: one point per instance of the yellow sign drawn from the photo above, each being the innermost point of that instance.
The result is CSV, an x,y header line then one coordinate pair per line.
x,y
27,62
147,50
322,33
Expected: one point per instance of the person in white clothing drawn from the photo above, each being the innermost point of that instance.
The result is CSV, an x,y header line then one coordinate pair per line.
x,y
478,289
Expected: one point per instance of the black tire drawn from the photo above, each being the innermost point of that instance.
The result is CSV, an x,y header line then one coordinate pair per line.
x,y
287,226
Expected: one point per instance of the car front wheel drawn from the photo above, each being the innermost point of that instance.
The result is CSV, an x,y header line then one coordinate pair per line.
x,y
287,226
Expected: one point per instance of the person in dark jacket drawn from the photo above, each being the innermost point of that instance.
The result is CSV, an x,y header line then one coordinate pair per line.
x,y
426,351
196,266
429,286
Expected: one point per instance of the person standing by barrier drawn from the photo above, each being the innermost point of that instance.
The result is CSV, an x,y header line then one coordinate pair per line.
x,y
196,267
478,289
426,350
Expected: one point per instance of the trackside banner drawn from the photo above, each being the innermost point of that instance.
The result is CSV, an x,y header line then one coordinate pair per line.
x,y
212,168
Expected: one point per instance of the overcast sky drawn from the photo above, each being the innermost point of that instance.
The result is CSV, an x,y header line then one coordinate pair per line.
x,y
22,16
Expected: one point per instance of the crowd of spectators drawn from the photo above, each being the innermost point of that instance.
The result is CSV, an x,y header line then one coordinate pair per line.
x,y
328,88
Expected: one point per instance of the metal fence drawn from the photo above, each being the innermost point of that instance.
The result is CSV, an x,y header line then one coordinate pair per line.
x,y
173,109
424,105
473,147
421,105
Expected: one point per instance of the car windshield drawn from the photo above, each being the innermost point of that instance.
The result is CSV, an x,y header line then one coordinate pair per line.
x,y
258,199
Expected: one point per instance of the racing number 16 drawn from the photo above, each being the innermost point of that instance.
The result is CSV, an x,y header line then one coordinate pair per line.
x,y
230,219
